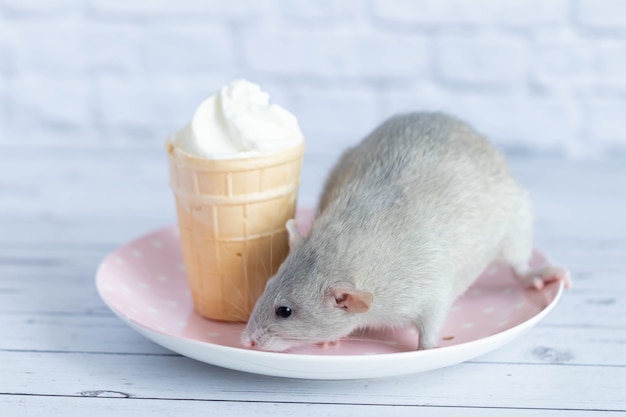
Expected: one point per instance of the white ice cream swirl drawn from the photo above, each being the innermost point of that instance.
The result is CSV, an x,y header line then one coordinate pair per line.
x,y
237,122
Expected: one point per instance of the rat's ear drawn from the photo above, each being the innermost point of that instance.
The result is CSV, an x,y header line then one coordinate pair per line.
x,y
294,233
351,299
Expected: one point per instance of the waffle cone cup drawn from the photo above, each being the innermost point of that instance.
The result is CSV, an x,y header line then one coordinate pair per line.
x,y
231,217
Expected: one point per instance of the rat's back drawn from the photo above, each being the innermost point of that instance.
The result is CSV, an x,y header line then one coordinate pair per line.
x,y
424,148
428,186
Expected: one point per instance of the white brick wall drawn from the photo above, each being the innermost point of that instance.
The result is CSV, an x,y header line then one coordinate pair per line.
x,y
545,76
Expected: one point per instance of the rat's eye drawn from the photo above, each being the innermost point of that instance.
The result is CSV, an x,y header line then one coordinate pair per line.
x,y
283,312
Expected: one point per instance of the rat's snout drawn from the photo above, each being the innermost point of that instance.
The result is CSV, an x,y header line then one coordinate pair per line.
x,y
258,339
247,341
250,338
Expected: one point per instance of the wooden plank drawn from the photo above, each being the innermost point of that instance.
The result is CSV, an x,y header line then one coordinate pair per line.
x,y
125,182
65,186
98,334
564,345
102,406
72,230
101,231
75,261
592,263
607,264
110,196
73,333
59,279
599,309
603,307
465,385
39,263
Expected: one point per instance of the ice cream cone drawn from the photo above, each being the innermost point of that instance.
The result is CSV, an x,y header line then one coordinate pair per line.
x,y
231,216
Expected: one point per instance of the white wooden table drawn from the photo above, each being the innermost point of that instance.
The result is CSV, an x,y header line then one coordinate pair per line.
x,y
62,352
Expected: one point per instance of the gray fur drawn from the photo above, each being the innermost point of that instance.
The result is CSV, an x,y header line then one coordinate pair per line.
x,y
412,215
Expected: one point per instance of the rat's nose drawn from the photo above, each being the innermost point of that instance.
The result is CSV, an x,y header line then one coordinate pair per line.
x,y
247,341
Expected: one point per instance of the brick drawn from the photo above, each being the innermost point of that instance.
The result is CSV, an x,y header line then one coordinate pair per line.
x,y
53,47
340,53
6,49
3,111
612,59
517,13
520,121
39,105
528,122
601,14
580,65
334,118
75,46
420,96
321,11
556,60
605,122
37,7
115,48
197,48
149,108
179,8
490,61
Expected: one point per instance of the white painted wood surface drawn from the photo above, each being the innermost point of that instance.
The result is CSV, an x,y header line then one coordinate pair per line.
x,y
62,352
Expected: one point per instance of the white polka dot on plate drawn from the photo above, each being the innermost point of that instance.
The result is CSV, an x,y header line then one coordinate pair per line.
x,y
172,303
157,244
468,325
520,305
503,323
213,334
144,286
152,310
181,267
507,291
488,310
137,253
162,278
119,260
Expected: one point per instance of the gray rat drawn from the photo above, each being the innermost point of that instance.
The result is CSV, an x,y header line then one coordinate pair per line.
x,y
407,221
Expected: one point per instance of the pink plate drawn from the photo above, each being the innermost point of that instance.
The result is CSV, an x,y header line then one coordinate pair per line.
x,y
144,283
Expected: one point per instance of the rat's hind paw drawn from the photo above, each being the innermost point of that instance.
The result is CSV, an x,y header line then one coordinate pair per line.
x,y
538,278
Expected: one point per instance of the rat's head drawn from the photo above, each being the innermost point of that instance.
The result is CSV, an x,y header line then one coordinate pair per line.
x,y
303,303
